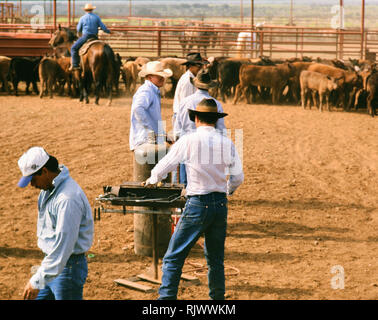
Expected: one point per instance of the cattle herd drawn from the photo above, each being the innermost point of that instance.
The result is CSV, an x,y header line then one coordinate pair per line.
x,y
342,84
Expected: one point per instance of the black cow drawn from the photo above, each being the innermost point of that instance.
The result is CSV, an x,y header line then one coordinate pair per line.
x,y
372,90
228,76
24,69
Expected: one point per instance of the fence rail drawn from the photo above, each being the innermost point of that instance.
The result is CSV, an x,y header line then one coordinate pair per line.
x,y
211,40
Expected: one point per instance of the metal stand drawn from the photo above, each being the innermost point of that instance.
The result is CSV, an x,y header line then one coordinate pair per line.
x,y
151,275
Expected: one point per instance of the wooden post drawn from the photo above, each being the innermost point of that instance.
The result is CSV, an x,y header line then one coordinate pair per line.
x,y
362,27
54,8
252,29
155,249
69,12
73,12
159,43
271,42
241,12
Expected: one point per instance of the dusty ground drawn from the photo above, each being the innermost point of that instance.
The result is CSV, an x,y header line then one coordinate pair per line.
x,y
308,203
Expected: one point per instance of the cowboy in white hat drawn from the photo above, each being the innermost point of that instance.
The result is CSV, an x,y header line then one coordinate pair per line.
x,y
146,108
88,26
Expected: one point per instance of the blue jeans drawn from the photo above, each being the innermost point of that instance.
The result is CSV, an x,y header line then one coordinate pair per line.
x,y
183,178
206,215
76,47
69,284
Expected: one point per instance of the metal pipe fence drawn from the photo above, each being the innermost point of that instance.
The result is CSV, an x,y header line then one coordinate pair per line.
x,y
210,40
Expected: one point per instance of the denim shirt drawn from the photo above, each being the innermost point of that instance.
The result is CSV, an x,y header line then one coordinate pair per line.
x,y
183,124
89,24
145,114
64,227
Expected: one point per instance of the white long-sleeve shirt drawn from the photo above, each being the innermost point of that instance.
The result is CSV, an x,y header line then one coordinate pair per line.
x,y
209,157
184,88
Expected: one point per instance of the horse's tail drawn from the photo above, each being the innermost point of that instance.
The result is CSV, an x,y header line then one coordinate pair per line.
x,y
109,61
109,54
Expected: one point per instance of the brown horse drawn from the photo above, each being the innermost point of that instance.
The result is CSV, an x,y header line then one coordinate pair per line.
x,y
98,64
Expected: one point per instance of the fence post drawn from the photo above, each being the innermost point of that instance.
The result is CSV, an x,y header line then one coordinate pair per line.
x,y
302,40
271,42
159,43
337,42
261,42
341,44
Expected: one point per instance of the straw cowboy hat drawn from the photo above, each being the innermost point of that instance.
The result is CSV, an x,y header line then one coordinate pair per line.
x,y
194,58
89,7
206,107
203,80
155,68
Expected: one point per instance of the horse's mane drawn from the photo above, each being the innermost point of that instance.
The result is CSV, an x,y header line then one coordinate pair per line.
x,y
71,36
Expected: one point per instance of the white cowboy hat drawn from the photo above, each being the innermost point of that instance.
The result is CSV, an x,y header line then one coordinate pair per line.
x,y
155,68
89,7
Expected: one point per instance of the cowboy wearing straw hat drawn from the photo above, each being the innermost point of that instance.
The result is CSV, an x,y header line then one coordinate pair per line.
x,y
146,105
88,25
202,82
209,157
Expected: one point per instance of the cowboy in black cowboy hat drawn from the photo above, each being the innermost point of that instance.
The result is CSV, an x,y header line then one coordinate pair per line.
x,y
194,63
209,157
202,82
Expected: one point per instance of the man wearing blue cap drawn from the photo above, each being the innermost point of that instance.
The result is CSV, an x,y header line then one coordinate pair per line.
x,y
64,228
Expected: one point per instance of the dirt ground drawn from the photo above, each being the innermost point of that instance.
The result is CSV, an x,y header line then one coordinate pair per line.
x,y
308,202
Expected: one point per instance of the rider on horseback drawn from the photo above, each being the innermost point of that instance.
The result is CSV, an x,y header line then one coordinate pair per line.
x,y
88,25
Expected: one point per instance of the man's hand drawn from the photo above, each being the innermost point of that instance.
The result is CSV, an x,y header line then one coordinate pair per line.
x,y
29,292
148,184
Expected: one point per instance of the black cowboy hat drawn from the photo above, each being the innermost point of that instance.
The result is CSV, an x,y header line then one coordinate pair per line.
x,y
203,80
206,107
194,58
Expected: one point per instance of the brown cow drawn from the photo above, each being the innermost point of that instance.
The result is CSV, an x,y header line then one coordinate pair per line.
x,y
348,81
129,72
175,64
65,63
4,69
274,77
140,62
361,94
49,73
294,86
317,83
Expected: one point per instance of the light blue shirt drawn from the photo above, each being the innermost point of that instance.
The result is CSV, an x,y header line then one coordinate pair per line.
x,y
183,124
64,227
89,24
145,114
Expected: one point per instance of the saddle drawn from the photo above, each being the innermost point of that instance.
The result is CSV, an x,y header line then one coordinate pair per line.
x,y
83,50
